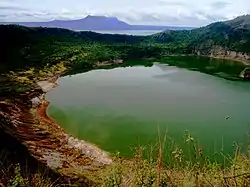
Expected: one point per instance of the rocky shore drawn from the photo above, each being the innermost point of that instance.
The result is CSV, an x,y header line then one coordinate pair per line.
x,y
23,116
25,119
222,53
109,63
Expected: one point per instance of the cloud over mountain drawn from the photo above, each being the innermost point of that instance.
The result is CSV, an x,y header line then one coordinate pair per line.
x,y
158,12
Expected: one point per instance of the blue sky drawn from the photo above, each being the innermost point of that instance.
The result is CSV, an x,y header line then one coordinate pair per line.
x,y
154,12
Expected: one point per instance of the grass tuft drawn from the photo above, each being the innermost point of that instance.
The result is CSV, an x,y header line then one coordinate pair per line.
x,y
196,170
12,175
149,167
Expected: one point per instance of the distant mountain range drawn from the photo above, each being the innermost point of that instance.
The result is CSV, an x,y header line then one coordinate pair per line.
x,y
93,23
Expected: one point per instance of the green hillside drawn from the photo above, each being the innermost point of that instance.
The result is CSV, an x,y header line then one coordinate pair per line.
x,y
231,35
24,47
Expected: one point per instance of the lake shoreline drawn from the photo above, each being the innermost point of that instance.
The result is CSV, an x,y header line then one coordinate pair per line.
x,y
42,109
54,140
236,60
24,118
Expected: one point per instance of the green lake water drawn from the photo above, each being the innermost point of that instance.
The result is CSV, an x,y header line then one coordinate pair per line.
x,y
123,107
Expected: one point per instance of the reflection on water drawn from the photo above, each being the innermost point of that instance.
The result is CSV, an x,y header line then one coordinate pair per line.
x,y
168,71
222,68
121,107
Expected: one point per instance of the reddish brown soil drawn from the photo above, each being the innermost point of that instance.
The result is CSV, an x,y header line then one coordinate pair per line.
x,y
42,111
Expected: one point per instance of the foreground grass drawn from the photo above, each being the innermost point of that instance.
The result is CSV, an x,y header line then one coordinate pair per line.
x,y
198,172
149,171
141,172
13,175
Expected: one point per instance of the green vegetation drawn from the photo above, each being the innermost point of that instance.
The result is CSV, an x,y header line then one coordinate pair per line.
x,y
40,52
151,171
231,35
14,175
37,47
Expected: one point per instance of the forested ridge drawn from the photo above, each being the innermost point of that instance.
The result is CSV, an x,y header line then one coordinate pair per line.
x,y
231,35
36,47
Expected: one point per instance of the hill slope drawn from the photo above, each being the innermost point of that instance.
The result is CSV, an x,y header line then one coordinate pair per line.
x,y
233,35
23,46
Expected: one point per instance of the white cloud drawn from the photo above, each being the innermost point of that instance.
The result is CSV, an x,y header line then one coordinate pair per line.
x,y
157,12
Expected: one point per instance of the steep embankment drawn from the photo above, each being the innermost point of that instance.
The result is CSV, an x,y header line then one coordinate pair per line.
x,y
229,40
45,141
